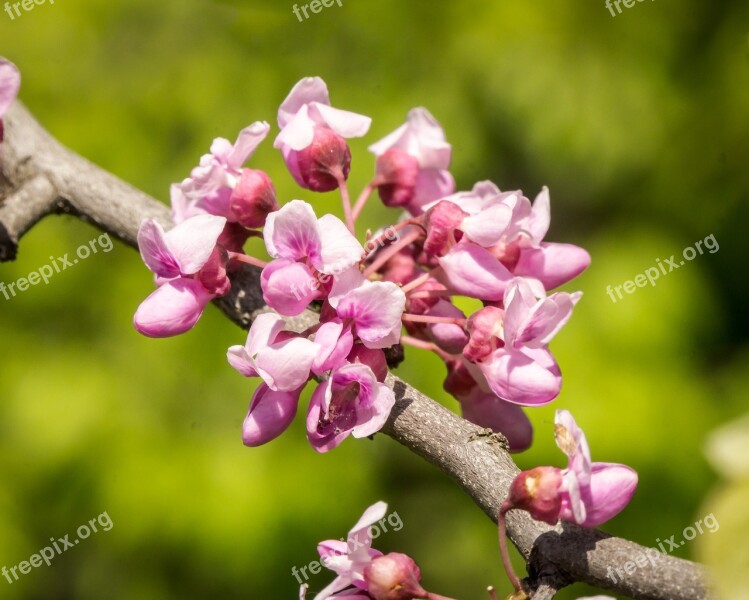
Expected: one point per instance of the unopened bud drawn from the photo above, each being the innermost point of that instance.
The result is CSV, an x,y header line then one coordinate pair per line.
x,y
484,327
396,173
537,491
319,166
253,198
393,576
441,222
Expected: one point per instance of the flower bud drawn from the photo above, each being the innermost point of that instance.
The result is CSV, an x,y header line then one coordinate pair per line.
x,y
459,381
372,357
396,173
484,327
213,273
319,166
393,576
441,221
253,198
537,491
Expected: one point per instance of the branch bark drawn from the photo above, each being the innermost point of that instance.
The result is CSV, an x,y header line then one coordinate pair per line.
x,y
40,176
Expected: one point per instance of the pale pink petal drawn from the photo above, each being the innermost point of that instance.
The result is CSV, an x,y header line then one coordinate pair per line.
x,y
286,366
487,227
345,123
343,283
270,414
292,232
572,508
192,241
472,271
372,418
572,441
521,379
553,264
422,137
154,250
172,309
360,531
241,361
298,133
334,345
263,332
309,89
430,185
540,217
247,142
340,250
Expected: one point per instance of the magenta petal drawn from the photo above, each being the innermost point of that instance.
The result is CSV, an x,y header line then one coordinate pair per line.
x,y
517,377
430,185
288,286
172,309
472,271
372,416
334,345
10,83
376,308
192,241
269,415
317,407
553,264
611,488
154,250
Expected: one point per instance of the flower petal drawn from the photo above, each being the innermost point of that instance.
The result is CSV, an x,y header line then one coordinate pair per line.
x,y
345,123
154,250
553,264
286,366
172,309
611,488
269,415
288,286
247,142
10,83
371,418
340,250
192,241
309,89
472,271
292,232
487,410
376,308
522,378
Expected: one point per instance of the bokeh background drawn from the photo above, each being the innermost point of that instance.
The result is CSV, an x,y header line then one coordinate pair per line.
x,y
637,123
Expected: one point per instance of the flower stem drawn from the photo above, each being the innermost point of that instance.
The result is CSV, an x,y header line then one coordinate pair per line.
x,y
433,319
392,250
362,199
347,214
250,260
424,345
492,593
383,235
502,528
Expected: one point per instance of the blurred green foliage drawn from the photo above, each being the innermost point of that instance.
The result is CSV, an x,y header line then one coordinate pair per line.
x,y
637,123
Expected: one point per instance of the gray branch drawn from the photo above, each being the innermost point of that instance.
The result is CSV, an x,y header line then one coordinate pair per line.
x,y
40,176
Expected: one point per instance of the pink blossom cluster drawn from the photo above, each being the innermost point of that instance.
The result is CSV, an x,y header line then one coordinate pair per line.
x,y
484,244
363,573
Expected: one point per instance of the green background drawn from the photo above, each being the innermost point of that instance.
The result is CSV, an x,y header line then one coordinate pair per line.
x,y
637,123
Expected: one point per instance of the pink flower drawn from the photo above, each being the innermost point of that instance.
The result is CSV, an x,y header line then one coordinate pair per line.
x,y
303,246
510,346
591,492
190,272
219,185
312,136
350,402
374,307
412,163
10,83
282,359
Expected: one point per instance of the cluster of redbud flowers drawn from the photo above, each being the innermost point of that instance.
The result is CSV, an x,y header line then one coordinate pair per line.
x,y
484,244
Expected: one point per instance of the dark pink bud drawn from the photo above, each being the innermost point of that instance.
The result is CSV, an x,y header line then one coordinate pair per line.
x,y
373,358
233,237
484,327
213,274
441,221
419,306
537,491
396,173
459,381
319,165
400,268
253,198
393,576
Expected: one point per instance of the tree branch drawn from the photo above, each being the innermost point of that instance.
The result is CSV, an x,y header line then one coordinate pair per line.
x,y
41,176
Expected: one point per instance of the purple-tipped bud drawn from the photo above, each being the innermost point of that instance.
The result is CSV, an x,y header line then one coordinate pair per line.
x,y
537,491
253,198
396,174
319,166
441,221
484,327
393,576
459,381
